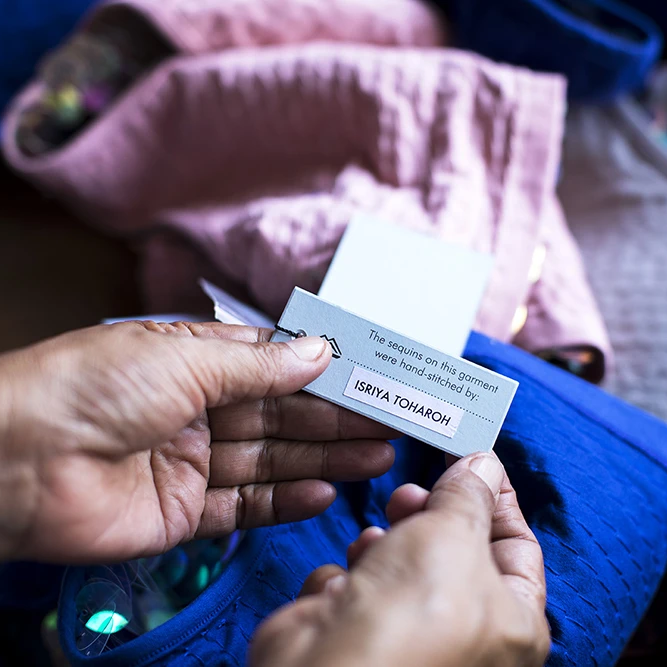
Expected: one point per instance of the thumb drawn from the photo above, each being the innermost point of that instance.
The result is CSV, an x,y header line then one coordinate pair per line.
x,y
466,495
234,372
139,388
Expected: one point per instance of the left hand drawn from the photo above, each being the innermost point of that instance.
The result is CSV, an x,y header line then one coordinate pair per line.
x,y
123,441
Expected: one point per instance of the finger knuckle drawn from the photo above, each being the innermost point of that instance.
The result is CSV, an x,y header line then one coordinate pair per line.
x,y
265,460
325,469
424,548
470,501
272,415
528,642
148,325
182,328
193,328
244,500
256,506
268,362
218,517
342,423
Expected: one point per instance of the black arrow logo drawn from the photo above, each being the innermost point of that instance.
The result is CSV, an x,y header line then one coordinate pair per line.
x,y
335,349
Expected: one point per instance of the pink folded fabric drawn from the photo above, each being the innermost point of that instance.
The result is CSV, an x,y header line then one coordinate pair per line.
x,y
245,165
203,26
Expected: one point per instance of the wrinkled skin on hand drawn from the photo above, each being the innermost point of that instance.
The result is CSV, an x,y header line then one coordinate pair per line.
x,y
122,441
457,581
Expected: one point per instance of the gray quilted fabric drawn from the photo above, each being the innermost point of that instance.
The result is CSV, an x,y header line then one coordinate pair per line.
x,y
614,192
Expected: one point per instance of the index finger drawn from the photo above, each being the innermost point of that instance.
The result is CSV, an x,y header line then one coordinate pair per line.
x,y
300,416
217,330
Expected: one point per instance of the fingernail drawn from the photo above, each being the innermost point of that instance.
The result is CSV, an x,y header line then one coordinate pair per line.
x,y
309,348
335,585
488,468
373,532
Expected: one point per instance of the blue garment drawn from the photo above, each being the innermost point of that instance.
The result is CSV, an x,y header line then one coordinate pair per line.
x,y
28,29
605,47
590,472
656,9
30,587
27,592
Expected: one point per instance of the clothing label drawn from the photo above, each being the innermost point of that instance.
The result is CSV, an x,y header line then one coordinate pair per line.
x,y
396,381
402,401
409,281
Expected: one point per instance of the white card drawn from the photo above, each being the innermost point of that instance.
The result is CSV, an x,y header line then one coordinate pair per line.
x,y
232,311
161,317
407,281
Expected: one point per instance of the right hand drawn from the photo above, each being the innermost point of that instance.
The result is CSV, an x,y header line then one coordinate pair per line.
x,y
458,581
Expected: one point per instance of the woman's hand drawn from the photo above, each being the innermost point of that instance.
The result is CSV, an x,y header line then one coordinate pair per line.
x,y
122,441
458,581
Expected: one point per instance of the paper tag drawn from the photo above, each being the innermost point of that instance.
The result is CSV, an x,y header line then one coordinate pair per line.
x,y
445,401
411,282
232,311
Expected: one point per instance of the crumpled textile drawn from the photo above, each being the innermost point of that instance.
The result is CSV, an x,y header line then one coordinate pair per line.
x,y
244,165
